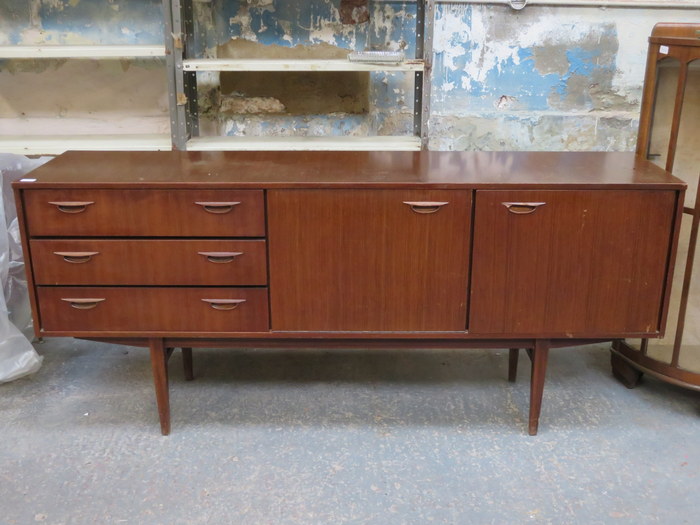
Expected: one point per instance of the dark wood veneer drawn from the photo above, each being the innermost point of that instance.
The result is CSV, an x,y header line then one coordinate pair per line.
x,y
364,260
361,249
342,169
134,310
153,262
139,213
558,269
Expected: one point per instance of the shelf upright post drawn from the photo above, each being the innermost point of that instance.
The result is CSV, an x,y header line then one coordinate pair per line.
x,y
182,38
172,73
190,77
425,17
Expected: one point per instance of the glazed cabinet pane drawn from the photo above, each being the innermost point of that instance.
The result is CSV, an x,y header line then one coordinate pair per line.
x,y
369,260
570,263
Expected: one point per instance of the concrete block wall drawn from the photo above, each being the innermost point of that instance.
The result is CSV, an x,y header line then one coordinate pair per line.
x,y
544,78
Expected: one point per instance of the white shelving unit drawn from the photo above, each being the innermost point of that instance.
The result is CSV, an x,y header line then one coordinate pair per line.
x,y
304,143
57,144
186,66
97,52
182,70
216,64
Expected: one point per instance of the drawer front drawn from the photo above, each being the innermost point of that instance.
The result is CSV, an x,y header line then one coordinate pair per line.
x,y
149,262
88,309
145,213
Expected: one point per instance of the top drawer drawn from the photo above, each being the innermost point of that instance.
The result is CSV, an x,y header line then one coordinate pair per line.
x,y
145,213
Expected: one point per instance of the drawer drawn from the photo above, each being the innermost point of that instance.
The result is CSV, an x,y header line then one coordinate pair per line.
x,y
145,213
95,309
149,262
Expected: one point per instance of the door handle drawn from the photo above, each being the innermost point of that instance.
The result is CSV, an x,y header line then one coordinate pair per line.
x,y
425,207
522,208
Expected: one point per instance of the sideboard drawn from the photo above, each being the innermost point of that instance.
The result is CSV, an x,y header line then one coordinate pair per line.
x,y
526,250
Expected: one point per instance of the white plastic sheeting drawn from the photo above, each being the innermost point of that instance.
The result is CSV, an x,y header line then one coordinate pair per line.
x,y
17,356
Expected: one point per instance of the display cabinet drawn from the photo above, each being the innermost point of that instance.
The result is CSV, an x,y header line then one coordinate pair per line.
x,y
669,136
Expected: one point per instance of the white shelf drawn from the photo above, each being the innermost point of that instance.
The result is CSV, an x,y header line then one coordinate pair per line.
x,y
384,143
57,144
56,51
216,64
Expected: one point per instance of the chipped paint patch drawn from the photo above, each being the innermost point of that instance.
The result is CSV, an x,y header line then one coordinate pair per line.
x,y
72,22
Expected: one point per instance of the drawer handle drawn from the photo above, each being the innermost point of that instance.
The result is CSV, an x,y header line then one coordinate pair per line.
x,y
83,304
220,257
425,207
217,207
522,208
76,257
72,207
224,304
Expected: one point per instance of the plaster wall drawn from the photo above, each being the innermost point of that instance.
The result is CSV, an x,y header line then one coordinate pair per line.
x,y
544,78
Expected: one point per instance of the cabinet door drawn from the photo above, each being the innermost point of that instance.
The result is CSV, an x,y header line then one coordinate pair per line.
x,y
365,260
570,263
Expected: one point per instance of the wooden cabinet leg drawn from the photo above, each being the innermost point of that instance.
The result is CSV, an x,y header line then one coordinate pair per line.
x,y
187,363
159,365
513,355
539,368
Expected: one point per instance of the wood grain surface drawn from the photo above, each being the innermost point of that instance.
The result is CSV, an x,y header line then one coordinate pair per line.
x,y
138,213
131,309
364,260
586,262
338,169
149,262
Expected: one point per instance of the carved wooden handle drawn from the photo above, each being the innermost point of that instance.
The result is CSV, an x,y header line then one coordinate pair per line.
x,y
522,208
217,207
83,304
224,304
220,257
72,206
76,257
425,207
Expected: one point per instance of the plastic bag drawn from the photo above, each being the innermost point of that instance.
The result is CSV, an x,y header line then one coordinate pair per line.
x,y
17,356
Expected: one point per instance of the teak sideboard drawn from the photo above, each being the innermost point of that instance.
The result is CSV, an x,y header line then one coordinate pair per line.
x,y
349,249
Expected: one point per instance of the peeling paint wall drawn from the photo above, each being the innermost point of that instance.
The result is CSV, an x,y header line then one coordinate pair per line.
x,y
544,78
35,22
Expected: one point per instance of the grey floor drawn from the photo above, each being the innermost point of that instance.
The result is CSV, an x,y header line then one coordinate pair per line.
x,y
316,437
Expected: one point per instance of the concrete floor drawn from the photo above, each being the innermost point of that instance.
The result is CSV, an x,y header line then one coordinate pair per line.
x,y
318,437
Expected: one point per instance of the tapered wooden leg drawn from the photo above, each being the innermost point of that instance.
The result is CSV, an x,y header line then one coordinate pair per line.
x,y
187,363
513,355
159,365
539,368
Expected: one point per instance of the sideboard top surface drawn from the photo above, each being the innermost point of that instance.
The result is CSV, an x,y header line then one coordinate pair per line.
x,y
331,169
